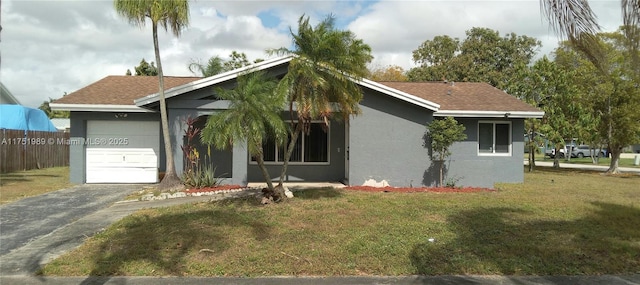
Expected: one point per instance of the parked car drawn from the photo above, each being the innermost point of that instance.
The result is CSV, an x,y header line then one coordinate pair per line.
x,y
586,151
552,153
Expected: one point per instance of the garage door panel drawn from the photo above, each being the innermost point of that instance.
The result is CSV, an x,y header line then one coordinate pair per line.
x,y
126,152
133,128
124,175
123,134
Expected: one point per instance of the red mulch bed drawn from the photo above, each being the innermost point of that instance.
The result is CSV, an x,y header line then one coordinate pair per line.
x,y
214,189
421,189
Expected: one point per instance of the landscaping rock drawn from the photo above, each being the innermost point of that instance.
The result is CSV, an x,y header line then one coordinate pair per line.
x,y
288,192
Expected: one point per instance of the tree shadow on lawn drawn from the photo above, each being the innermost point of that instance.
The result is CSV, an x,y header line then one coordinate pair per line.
x,y
14,177
164,242
500,241
318,193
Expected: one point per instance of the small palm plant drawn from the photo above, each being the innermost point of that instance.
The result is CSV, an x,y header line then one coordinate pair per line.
x,y
253,116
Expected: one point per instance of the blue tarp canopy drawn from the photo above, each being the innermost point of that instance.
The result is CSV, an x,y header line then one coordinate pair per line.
x,y
16,117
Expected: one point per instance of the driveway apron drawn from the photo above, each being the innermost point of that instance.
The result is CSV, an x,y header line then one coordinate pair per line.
x,y
30,219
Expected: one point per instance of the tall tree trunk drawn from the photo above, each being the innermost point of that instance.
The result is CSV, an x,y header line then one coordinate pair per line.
x,y
532,154
556,158
613,148
615,158
170,180
441,171
265,172
263,168
287,156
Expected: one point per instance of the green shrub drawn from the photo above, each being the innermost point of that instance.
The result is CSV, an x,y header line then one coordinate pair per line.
x,y
200,177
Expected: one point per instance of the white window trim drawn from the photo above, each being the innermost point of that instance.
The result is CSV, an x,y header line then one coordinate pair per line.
x,y
301,136
494,139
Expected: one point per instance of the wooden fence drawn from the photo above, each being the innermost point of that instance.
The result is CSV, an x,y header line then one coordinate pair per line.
x,y
24,150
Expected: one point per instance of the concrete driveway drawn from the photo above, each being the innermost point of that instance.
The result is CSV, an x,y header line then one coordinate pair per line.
x,y
27,222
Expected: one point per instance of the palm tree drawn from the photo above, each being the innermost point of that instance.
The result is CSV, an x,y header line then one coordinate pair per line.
x,y
214,66
171,15
575,20
253,116
320,81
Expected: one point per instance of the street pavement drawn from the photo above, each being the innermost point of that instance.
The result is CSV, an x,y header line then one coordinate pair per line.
x,y
37,230
585,166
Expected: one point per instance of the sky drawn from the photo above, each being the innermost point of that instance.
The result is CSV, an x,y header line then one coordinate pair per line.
x,y
49,48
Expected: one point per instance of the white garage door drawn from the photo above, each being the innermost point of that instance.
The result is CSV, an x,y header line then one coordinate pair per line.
x,y
122,151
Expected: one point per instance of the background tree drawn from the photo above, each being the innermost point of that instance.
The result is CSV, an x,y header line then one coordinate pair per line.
x,y
522,87
442,133
575,21
610,93
320,78
552,87
483,56
236,60
53,114
146,69
388,73
217,65
253,116
436,59
213,67
171,15
591,95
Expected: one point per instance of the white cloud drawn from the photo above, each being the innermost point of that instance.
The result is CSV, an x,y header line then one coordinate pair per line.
x,y
52,47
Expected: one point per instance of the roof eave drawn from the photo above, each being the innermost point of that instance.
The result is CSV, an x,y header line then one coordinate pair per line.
x,y
399,94
97,108
490,114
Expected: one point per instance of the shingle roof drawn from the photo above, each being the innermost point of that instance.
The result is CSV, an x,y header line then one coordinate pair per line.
x,y
459,96
463,96
121,89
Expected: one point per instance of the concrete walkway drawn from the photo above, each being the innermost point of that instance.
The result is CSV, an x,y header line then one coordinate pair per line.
x,y
585,166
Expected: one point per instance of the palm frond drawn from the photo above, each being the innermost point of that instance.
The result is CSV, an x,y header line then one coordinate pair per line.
x,y
570,18
253,114
170,14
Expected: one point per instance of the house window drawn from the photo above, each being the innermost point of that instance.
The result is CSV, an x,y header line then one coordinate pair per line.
x,y
310,148
494,138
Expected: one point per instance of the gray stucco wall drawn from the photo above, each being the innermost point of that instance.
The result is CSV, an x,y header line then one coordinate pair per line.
x,y
386,142
78,132
470,169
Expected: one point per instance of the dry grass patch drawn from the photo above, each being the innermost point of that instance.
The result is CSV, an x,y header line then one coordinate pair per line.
x,y
22,184
557,222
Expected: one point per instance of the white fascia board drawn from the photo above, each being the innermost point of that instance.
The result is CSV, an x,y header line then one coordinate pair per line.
x,y
399,94
489,114
210,81
98,108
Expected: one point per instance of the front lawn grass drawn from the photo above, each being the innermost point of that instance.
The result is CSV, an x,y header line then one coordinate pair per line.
x,y
559,222
22,184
